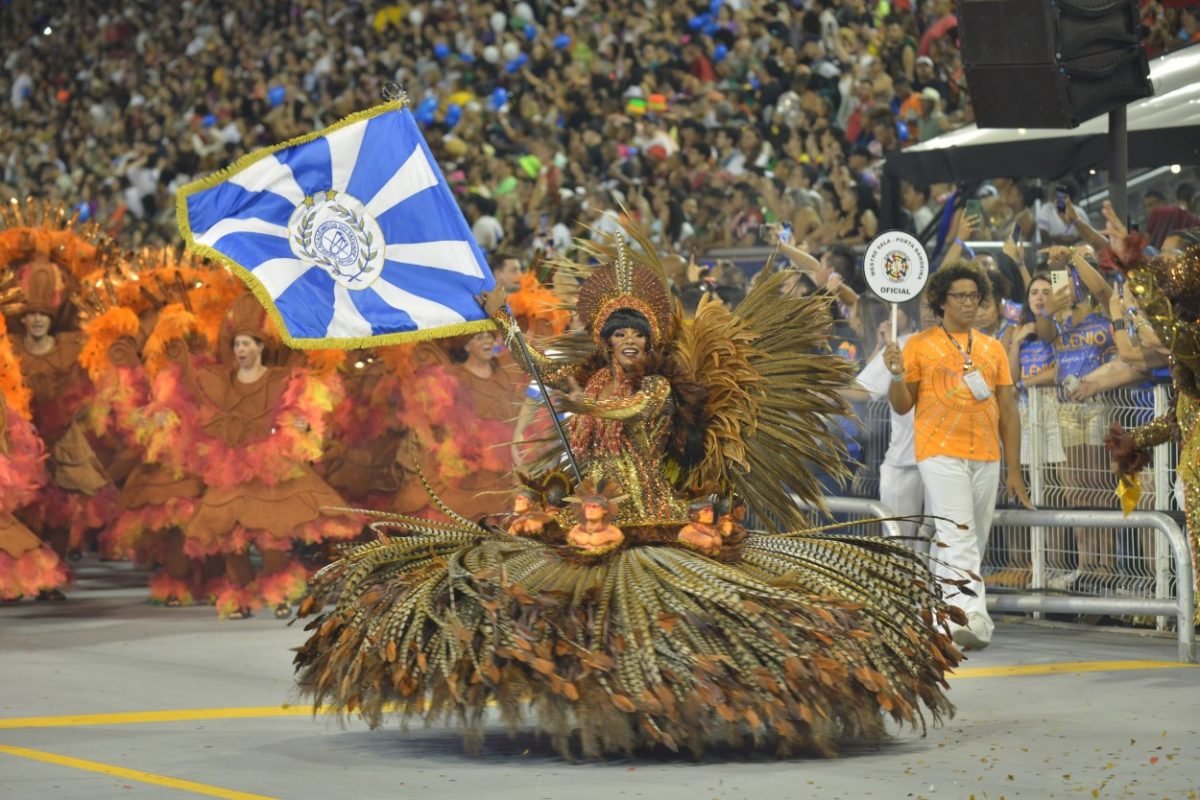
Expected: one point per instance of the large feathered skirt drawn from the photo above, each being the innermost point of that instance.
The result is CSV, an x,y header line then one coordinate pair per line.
x,y
806,643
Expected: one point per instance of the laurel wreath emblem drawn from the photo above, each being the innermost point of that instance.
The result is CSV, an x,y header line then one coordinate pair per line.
x,y
304,238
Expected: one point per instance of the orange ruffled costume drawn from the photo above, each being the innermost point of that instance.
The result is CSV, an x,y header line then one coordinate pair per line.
x,y
27,566
366,428
156,500
166,305
464,425
254,462
250,445
79,496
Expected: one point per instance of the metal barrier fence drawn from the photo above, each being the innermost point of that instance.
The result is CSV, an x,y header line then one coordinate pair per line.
x,y
849,509
1066,467
1169,594
1062,450
1165,595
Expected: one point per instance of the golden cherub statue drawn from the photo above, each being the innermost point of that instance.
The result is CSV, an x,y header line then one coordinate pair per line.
x,y
527,517
702,532
595,532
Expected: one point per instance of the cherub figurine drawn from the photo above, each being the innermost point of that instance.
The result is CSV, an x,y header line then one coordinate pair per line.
x,y
732,516
702,532
526,517
595,534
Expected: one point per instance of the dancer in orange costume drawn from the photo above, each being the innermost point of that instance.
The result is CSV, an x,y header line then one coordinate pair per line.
x,y
164,301
462,415
366,427
249,432
79,495
28,567
49,257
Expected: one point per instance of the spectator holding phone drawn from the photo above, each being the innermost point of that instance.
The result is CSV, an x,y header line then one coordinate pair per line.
x,y
1137,343
967,221
1082,337
1032,364
1055,225
1018,201
961,387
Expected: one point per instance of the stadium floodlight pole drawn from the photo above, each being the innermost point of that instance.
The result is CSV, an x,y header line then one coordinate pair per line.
x,y
537,378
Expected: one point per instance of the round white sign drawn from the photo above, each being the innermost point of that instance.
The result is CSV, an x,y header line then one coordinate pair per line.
x,y
896,266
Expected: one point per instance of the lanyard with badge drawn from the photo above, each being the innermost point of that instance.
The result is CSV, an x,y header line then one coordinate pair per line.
x,y
972,377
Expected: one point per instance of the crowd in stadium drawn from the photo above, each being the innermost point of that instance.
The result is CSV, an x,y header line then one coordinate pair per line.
x,y
545,116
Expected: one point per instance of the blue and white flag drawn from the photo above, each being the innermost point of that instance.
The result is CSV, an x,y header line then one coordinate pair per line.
x,y
350,237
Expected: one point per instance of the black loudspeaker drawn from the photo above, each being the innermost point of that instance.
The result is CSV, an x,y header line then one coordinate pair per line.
x,y
1051,63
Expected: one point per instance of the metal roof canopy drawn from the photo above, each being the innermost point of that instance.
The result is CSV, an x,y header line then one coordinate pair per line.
x,y
1163,129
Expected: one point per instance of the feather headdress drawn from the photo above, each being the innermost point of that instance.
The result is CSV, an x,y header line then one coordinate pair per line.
x,y
604,493
623,282
13,390
43,289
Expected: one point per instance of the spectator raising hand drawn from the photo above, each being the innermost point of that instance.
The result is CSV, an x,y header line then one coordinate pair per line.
x,y
113,111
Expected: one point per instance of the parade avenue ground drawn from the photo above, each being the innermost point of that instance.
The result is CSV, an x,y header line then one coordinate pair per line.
x,y
105,696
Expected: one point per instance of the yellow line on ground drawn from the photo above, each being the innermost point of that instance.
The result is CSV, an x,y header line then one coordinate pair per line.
x,y
1064,668
130,774
145,717
267,712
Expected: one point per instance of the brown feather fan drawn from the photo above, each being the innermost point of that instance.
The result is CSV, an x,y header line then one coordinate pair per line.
x,y
772,389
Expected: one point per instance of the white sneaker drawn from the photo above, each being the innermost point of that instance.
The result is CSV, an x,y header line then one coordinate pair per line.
x,y
1062,581
972,636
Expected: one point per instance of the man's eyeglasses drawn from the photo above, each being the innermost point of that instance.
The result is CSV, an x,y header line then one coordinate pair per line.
x,y
964,297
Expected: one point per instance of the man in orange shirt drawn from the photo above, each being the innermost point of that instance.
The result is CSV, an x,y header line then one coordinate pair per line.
x,y
966,414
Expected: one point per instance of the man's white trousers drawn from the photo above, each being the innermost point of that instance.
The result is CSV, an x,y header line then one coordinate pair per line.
x,y
964,492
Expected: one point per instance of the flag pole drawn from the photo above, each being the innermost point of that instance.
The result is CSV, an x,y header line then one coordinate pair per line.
x,y
537,378
394,92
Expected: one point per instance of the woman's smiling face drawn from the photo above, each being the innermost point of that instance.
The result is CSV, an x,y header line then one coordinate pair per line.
x,y
628,347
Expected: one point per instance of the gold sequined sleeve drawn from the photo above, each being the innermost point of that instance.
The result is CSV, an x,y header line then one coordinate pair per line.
x,y
652,397
553,373
1162,429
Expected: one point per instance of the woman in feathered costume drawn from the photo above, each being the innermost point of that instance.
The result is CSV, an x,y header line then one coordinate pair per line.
x,y
365,428
461,417
28,568
1167,288
790,640
248,431
50,256
163,301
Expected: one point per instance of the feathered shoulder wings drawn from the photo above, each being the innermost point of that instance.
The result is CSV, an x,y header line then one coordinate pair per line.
x,y
773,389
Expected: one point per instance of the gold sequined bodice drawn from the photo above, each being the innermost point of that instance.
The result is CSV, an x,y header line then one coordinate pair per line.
x,y
623,438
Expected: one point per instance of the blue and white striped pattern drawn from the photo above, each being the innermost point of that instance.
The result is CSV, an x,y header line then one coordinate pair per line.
x,y
428,267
